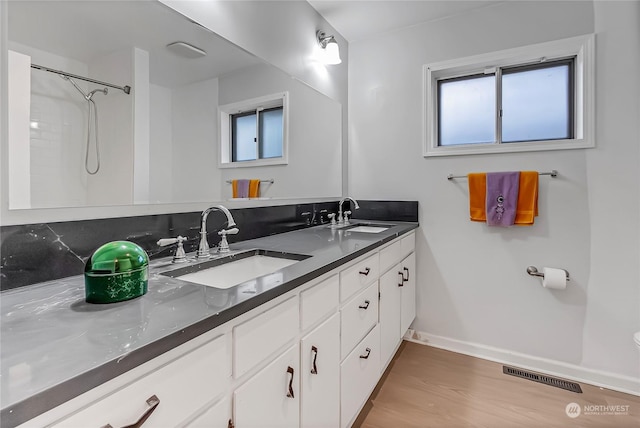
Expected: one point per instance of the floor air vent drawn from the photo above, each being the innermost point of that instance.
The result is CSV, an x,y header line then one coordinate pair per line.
x,y
547,380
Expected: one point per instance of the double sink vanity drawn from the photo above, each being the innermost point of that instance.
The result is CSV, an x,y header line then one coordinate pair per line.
x,y
293,329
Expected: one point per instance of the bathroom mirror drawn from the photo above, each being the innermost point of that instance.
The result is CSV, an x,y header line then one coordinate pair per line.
x,y
158,143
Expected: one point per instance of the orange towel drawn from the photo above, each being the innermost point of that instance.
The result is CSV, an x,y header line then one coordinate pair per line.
x,y
477,196
527,198
234,188
254,188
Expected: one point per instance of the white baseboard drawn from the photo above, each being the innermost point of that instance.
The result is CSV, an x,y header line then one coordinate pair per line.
x,y
626,384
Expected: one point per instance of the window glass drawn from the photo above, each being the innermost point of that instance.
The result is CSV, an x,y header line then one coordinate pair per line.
x,y
466,112
536,104
271,133
244,137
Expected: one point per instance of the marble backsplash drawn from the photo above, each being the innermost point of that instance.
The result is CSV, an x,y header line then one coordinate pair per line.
x,y
41,252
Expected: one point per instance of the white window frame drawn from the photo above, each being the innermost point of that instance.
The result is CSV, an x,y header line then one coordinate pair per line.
x,y
582,47
225,113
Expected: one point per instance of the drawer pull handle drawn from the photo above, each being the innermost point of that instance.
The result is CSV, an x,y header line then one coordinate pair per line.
x,y
290,391
365,272
314,369
401,281
365,306
364,357
407,271
152,402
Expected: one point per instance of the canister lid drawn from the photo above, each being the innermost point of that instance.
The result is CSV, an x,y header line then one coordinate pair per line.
x,y
117,257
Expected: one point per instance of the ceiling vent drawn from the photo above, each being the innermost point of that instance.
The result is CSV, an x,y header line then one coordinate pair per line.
x,y
186,50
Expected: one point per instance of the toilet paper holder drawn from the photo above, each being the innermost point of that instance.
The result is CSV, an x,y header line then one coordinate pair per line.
x,y
533,271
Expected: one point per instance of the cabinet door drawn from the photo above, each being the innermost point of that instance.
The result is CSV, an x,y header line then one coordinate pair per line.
x,y
320,375
359,374
391,284
271,398
408,308
216,416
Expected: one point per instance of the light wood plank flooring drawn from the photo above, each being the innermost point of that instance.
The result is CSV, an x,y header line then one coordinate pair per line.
x,y
430,387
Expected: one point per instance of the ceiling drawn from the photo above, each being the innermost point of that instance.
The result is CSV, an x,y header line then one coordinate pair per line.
x,y
359,19
88,30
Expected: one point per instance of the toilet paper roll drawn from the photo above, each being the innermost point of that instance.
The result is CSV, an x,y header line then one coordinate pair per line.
x,y
554,278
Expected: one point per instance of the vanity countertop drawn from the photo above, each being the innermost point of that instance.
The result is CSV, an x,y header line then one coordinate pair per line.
x,y
55,346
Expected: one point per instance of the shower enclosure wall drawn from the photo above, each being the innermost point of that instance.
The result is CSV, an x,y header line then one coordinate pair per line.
x,y
49,125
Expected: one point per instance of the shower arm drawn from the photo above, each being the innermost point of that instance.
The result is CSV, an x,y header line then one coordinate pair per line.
x,y
125,89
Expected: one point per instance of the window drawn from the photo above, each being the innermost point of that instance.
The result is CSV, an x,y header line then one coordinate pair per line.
x,y
534,98
254,132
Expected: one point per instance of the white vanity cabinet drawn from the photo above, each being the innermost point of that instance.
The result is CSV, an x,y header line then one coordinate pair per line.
x,y
397,296
309,358
375,313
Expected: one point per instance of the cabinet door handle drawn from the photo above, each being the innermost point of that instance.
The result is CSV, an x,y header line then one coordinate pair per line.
x,y
401,281
407,272
364,357
290,391
314,369
365,272
152,402
365,306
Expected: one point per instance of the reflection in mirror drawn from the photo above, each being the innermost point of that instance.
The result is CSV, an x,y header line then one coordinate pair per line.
x,y
73,144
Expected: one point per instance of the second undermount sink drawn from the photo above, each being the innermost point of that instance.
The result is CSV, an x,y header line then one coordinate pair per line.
x,y
369,228
234,269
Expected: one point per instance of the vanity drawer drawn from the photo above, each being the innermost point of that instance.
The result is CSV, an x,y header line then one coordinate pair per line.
x,y
319,301
408,244
359,374
255,340
357,317
183,386
390,255
358,276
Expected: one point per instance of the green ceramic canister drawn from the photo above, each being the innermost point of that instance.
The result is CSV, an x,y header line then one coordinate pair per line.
x,y
115,272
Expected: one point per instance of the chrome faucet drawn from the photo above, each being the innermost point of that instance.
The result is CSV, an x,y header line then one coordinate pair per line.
x,y
203,248
341,219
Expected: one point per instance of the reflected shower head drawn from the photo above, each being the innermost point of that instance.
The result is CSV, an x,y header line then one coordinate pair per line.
x,y
104,91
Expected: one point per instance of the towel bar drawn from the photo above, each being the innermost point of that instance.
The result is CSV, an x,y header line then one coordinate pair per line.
x,y
270,181
553,173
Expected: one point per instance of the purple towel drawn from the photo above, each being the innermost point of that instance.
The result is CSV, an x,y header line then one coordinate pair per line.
x,y
243,188
502,197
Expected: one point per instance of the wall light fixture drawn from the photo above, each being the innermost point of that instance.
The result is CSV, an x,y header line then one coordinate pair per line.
x,y
329,47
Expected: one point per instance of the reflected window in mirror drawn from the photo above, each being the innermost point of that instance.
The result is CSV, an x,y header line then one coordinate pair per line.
x,y
254,132
257,134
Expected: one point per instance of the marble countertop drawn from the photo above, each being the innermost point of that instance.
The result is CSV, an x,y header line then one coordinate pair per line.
x,y
55,346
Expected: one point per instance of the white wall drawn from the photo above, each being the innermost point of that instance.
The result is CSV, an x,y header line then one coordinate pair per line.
x,y
315,136
195,175
474,294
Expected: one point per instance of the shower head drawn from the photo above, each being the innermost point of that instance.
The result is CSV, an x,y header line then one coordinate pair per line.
x,y
104,91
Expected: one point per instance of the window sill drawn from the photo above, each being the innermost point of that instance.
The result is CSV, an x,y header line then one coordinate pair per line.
x,y
530,146
255,163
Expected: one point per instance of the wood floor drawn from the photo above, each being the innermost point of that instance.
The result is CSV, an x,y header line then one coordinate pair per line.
x,y
430,387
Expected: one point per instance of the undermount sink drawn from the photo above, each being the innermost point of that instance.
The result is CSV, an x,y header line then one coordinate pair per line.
x,y
234,269
369,227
